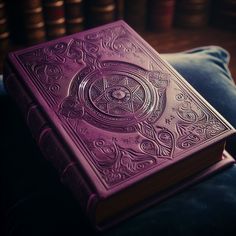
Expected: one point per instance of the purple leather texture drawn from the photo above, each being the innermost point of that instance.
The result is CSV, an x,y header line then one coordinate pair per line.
x,y
107,111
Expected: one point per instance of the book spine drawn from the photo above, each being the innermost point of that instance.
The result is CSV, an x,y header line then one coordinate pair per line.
x,y
34,21
224,13
4,32
74,12
120,9
100,12
54,16
192,13
15,17
135,14
160,14
49,142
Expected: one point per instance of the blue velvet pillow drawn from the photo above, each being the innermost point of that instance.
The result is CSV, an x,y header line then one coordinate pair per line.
x,y
206,69
37,204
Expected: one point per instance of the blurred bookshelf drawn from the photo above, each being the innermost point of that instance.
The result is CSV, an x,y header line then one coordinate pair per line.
x,y
168,25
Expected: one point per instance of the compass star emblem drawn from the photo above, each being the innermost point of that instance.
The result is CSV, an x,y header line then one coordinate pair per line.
x,y
117,95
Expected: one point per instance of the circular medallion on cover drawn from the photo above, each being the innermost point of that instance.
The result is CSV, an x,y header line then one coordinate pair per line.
x,y
115,97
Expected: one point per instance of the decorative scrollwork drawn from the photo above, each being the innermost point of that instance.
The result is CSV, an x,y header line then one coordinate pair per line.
x,y
56,51
213,128
159,79
115,39
71,109
116,163
160,141
181,96
148,147
186,113
188,140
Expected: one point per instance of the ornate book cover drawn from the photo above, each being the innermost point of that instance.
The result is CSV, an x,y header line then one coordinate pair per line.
x,y
118,122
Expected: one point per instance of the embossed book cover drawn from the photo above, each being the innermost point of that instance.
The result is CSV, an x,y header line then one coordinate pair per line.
x,y
120,125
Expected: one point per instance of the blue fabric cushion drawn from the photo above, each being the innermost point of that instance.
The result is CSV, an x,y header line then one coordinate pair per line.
x,y
208,208
36,203
206,69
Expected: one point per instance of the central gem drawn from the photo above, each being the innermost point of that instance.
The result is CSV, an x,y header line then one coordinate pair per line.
x,y
118,94
117,100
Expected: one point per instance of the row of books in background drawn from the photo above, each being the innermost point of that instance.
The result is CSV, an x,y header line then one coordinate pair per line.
x,y
34,21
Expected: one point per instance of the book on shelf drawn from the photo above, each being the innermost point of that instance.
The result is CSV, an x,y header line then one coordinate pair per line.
x,y
123,129
100,12
33,21
192,13
120,9
4,31
224,13
160,14
25,21
14,13
54,16
74,14
135,14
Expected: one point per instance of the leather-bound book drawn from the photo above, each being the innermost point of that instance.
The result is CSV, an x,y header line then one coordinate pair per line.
x,y
121,126
54,16
100,12
15,17
120,9
74,13
26,21
136,14
34,21
4,31
160,14
192,13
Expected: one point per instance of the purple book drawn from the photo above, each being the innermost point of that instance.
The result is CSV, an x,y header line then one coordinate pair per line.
x,y
121,126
